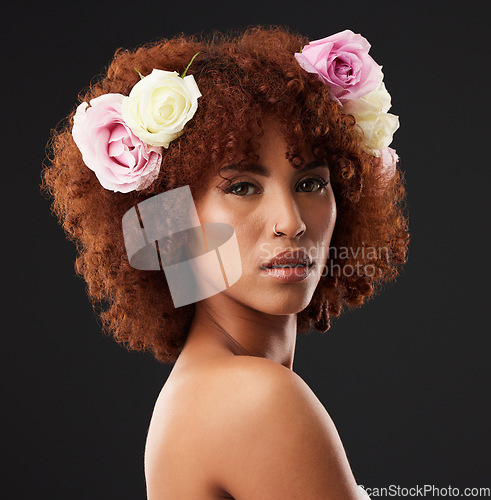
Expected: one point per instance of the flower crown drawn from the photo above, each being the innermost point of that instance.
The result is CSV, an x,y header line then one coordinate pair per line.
x,y
122,138
342,62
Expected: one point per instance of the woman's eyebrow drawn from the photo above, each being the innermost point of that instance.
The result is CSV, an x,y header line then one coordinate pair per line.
x,y
263,171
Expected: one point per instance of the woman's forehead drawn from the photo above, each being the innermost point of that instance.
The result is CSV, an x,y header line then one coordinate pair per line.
x,y
265,171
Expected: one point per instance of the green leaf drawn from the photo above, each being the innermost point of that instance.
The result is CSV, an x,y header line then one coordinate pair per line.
x,y
141,76
191,62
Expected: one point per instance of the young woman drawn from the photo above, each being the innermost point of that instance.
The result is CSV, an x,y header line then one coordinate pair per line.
x,y
286,143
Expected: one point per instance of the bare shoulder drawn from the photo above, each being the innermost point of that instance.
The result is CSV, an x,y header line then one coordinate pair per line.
x,y
242,381
264,392
271,437
249,369
247,426
268,386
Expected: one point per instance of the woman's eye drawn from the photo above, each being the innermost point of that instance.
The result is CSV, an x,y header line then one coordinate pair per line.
x,y
241,188
247,188
310,185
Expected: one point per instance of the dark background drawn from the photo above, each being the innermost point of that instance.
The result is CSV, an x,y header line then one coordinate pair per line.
x,y
406,378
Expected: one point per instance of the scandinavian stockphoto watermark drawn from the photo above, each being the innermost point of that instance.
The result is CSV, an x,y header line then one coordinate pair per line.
x,y
340,260
426,490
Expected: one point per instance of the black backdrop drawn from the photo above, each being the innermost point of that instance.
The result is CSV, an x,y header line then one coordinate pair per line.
x,y
406,378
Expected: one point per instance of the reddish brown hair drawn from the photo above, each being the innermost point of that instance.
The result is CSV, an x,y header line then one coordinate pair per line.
x,y
241,76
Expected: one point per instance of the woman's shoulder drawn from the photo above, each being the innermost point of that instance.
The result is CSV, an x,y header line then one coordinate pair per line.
x,y
243,417
200,403
231,383
248,368
239,381
220,382
268,424
231,393
251,367
249,396
219,375
270,389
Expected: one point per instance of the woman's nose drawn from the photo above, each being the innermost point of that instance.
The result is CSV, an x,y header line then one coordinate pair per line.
x,y
286,217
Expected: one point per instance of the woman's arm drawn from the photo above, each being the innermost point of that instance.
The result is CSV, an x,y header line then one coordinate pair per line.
x,y
273,438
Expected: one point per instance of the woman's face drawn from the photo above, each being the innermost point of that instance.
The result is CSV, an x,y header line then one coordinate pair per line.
x,y
299,202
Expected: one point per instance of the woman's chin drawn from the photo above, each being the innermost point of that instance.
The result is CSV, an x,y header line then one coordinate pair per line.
x,y
280,303
292,306
273,296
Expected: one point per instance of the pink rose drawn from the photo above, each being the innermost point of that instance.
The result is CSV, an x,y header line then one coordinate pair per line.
x,y
388,161
119,159
343,63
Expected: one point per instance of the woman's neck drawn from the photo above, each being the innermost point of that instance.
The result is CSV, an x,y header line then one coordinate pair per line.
x,y
221,323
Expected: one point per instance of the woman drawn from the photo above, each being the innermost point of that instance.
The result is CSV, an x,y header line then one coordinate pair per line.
x,y
286,143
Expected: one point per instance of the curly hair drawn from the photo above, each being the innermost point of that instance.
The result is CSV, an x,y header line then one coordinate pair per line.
x,y
242,76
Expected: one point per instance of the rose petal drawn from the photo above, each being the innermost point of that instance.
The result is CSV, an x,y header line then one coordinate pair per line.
x,y
115,148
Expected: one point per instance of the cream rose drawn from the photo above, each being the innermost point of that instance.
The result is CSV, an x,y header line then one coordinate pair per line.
x,y
160,105
378,129
377,101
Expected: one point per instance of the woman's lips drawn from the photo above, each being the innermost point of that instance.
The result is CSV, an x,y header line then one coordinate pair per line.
x,y
289,258
289,266
290,273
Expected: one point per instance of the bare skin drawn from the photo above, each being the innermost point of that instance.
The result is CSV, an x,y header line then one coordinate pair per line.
x,y
233,419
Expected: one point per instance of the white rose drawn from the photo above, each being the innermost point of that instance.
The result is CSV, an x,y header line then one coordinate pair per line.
x,y
160,105
378,129
377,101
